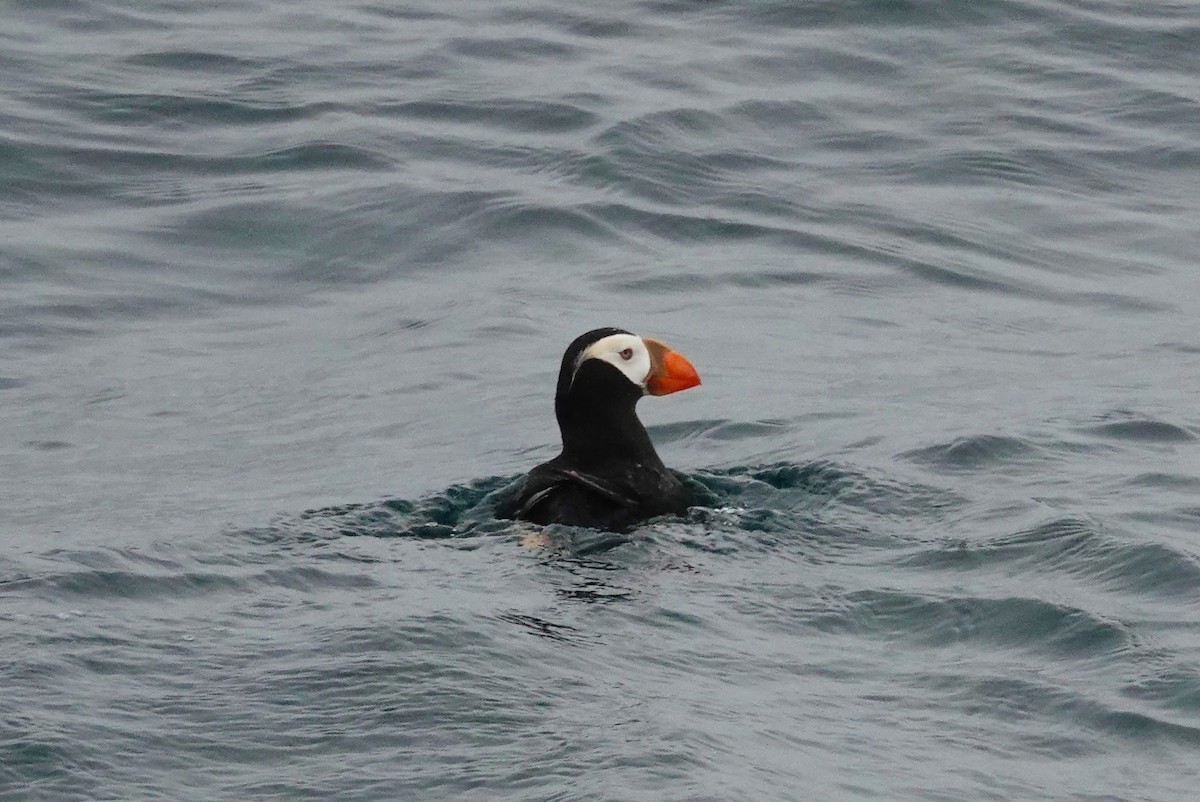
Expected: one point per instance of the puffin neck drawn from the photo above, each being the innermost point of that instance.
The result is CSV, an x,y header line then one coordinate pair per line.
x,y
598,423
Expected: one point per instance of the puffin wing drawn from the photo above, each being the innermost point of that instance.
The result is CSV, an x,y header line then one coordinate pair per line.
x,y
547,485
597,485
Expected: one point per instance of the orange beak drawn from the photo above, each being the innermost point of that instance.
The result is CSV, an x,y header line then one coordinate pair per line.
x,y
670,370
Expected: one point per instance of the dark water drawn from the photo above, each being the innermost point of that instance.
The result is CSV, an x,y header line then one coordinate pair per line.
x,y
283,289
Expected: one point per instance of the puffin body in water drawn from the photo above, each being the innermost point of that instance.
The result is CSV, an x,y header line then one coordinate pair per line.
x,y
608,475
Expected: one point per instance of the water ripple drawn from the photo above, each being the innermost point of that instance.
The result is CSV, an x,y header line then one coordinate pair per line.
x,y
503,114
1011,623
1141,429
980,452
1076,547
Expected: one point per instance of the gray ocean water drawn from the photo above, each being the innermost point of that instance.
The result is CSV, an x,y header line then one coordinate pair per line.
x,y
283,291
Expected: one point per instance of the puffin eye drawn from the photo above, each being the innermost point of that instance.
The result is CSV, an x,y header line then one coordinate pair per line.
x,y
627,354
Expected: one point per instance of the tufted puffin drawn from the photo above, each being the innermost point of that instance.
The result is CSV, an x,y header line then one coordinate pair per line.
x,y
608,475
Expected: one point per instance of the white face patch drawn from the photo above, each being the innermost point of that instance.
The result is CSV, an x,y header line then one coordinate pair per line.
x,y
626,352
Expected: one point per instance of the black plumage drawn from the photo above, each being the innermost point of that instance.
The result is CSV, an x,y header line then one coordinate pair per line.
x,y
608,475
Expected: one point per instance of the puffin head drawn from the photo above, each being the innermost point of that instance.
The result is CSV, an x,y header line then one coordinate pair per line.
x,y
606,366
